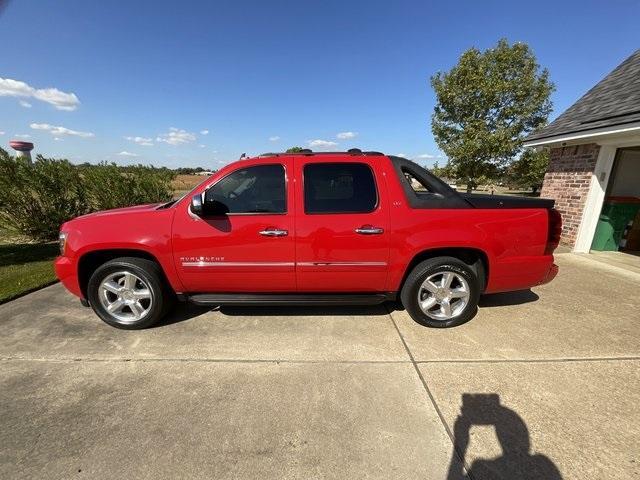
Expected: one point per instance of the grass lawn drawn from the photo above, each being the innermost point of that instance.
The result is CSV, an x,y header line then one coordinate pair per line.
x,y
24,266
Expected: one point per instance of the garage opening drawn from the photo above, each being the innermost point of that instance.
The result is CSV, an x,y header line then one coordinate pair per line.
x,y
618,228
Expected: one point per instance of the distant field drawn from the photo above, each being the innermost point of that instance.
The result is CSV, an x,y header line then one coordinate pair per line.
x,y
184,183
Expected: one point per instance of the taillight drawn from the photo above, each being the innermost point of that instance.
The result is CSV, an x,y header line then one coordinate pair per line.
x,y
554,232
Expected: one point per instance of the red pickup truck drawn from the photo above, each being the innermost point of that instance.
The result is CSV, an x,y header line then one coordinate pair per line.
x,y
311,229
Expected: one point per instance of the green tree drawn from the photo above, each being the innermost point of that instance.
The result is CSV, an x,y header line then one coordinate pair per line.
x,y
486,105
442,172
528,170
294,150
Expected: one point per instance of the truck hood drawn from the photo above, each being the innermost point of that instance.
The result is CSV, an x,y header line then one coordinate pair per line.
x,y
114,212
125,210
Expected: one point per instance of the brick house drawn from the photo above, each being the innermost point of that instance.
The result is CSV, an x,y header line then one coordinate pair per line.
x,y
594,153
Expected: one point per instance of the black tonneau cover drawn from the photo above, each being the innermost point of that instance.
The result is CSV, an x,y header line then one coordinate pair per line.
x,y
441,195
506,201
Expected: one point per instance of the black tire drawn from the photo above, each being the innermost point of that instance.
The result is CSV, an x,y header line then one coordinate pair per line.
x,y
149,273
433,266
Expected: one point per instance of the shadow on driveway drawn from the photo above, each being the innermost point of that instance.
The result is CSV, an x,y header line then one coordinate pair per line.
x,y
516,461
186,311
508,298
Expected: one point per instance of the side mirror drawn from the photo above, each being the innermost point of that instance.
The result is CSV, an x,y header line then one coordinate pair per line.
x,y
212,208
196,205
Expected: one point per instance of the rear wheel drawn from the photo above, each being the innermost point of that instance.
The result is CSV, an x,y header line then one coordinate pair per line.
x,y
441,292
128,293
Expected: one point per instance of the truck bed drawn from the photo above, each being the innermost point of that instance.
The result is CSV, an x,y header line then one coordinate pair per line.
x,y
506,201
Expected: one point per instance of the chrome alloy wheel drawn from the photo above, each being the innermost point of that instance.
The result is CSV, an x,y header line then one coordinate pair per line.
x,y
125,296
443,295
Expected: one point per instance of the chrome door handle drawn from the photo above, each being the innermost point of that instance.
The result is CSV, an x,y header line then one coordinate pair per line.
x,y
274,232
369,230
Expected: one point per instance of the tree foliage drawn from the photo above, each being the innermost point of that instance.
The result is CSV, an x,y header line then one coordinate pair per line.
x,y
486,105
294,150
528,170
35,199
442,172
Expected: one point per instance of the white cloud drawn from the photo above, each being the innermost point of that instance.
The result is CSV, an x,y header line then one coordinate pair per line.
x,y
275,138
59,131
58,139
403,155
1,133
25,104
59,99
204,132
22,135
202,146
346,135
321,144
124,153
429,155
176,136
144,141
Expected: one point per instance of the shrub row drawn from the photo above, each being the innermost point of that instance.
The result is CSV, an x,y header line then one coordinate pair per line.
x,y
35,199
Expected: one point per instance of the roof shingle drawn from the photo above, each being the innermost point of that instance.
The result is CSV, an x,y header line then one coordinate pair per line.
x,y
615,100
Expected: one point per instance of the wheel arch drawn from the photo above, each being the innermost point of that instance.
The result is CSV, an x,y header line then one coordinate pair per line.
x,y
476,258
90,261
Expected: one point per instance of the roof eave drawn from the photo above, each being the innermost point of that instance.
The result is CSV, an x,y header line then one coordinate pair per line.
x,y
579,137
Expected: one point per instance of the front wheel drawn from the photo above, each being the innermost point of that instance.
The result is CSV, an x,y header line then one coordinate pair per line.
x,y
128,293
441,292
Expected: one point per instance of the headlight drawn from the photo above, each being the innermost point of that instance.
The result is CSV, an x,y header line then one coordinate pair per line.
x,y
63,241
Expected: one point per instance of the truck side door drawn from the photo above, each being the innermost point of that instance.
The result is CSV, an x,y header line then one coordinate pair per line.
x,y
248,249
342,223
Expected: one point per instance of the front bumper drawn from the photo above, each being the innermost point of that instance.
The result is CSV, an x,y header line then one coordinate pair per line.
x,y
67,272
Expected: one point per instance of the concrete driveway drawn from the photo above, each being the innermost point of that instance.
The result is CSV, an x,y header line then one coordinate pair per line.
x,y
544,384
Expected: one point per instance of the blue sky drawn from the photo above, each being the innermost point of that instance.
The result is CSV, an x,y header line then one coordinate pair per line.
x,y
266,75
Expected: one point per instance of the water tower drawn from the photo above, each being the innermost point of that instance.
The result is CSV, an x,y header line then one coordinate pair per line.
x,y
23,149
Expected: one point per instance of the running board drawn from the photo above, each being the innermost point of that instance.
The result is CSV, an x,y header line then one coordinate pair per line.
x,y
290,299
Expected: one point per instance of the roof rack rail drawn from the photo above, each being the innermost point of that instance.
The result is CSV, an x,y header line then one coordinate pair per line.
x,y
309,152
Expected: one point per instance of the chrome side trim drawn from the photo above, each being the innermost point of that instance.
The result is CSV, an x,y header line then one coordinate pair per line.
x,y
341,264
283,264
238,264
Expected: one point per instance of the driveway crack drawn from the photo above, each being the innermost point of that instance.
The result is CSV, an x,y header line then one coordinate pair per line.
x,y
432,399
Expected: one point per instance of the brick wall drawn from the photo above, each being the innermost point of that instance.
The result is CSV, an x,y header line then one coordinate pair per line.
x,y
567,181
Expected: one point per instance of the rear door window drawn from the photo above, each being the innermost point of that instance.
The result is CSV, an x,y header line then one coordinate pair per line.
x,y
339,188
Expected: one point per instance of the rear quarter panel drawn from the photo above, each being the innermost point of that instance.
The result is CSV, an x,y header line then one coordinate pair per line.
x,y
513,239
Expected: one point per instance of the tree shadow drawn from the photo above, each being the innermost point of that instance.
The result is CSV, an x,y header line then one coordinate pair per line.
x,y
17,253
516,462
